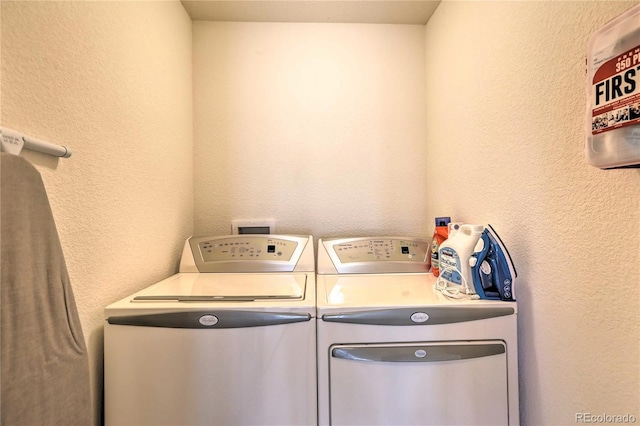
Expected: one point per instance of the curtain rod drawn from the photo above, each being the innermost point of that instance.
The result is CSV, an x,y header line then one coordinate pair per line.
x,y
13,142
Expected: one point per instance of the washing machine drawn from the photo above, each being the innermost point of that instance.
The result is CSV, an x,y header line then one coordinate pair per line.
x,y
229,340
392,350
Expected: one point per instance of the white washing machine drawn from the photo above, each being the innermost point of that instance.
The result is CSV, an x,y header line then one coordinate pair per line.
x,y
230,340
394,351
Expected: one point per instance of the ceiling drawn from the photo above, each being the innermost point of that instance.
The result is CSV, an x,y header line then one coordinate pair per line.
x,y
415,12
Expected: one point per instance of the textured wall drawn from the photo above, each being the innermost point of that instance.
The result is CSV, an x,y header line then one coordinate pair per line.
x,y
323,128
506,102
111,80
319,126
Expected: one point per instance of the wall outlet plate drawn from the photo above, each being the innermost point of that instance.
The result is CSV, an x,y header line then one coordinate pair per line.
x,y
253,226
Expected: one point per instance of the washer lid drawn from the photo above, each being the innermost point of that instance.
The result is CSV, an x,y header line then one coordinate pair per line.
x,y
191,287
377,290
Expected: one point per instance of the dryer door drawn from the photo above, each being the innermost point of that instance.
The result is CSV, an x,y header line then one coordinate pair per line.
x,y
445,383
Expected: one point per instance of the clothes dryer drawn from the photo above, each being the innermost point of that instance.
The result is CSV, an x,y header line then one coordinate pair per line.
x,y
394,351
230,340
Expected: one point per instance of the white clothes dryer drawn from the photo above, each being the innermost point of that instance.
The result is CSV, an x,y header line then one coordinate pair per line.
x,y
394,351
230,340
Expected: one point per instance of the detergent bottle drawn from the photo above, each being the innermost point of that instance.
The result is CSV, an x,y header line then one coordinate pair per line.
x,y
439,235
454,254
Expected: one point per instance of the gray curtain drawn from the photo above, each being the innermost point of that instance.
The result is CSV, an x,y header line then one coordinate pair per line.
x,y
44,371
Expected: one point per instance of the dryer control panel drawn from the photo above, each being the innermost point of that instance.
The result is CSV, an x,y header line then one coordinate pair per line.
x,y
373,255
384,249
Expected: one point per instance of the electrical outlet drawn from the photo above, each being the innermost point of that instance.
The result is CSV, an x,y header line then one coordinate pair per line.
x,y
253,226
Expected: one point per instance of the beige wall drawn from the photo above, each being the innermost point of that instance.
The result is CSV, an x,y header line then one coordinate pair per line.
x,y
319,126
505,111
111,80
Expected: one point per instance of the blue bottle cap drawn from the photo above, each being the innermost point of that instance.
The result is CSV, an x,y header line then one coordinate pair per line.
x,y
442,221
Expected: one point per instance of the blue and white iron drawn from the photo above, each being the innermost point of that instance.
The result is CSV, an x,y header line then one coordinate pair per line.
x,y
493,272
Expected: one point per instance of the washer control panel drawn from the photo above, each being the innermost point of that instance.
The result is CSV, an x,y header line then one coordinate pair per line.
x,y
247,249
248,253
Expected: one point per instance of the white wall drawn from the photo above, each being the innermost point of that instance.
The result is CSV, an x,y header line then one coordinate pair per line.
x,y
506,105
320,126
111,80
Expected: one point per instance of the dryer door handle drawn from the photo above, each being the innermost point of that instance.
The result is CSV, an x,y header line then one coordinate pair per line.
x,y
210,319
417,353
